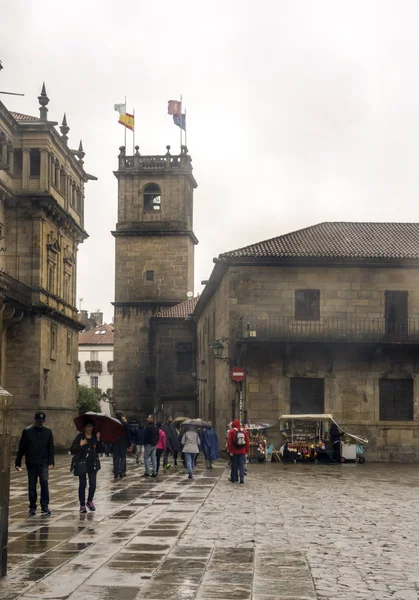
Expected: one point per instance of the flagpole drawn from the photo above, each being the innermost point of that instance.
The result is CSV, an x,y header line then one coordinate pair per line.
x,y
133,132
125,126
180,123
186,138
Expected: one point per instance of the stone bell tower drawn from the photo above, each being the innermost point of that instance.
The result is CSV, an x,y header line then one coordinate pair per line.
x,y
154,253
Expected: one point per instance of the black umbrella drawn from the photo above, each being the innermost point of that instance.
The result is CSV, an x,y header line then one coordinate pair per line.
x,y
110,429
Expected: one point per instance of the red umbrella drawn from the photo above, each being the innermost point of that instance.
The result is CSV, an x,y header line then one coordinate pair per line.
x,y
110,429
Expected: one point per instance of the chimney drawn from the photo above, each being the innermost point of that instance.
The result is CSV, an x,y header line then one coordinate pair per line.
x,y
97,316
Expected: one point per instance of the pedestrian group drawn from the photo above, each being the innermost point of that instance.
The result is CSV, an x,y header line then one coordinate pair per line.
x,y
149,444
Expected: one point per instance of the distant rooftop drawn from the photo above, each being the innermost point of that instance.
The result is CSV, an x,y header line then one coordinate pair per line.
x,y
101,336
24,118
179,311
337,240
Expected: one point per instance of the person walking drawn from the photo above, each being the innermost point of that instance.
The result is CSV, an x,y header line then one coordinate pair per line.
x,y
238,445
120,447
172,442
151,438
161,446
85,449
209,443
139,456
335,438
190,446
37,444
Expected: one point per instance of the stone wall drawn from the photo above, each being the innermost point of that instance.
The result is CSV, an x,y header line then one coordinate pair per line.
x,y
218,399
176,391
134,374
40,381
356,292
169,257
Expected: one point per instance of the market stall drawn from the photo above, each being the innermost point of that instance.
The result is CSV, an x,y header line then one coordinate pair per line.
x,y
306,438
257,432
258,441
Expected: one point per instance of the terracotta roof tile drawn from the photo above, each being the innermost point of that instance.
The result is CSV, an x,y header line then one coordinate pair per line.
x,y
179,311
339,240
96,337
25,118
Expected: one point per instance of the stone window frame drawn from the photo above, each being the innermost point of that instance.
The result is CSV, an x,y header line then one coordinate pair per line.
x,y
69,347
401,401
152,192
53,344
35,162
303,310
94,382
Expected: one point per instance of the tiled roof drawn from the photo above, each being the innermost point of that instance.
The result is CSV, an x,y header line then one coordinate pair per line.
x,y
337,240
26,118
101,335
179,311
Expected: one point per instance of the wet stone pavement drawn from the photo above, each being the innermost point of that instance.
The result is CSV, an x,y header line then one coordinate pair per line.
x,y
347,532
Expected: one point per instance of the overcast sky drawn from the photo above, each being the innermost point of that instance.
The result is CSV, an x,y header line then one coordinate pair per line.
x,y
298,111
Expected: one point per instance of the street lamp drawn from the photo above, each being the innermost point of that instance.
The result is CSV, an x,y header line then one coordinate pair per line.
x,y
217,348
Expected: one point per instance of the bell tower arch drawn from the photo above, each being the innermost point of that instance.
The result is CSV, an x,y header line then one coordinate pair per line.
x,y
154,263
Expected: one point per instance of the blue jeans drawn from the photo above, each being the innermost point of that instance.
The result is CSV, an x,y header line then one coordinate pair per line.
x,y
150,452
238,462
190,460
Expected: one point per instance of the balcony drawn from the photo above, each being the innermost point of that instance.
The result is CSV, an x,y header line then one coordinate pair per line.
x,y
328,329
15,290
93,366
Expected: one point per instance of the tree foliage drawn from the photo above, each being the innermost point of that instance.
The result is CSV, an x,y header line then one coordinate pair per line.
x,y
89,399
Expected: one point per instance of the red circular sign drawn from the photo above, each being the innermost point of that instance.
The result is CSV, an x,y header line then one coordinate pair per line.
x,y
238,374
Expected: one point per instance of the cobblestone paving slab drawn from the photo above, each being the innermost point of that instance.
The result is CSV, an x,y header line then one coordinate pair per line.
x,y
291,533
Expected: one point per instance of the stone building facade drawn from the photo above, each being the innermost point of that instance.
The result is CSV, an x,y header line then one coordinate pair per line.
x,y
154,254
324,319
41,225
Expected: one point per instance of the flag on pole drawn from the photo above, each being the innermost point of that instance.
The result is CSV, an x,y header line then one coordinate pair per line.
x,y
180,121
127,121
174,108
121,108
125,118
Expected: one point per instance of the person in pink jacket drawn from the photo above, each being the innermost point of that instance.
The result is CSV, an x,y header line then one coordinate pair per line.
x,y
161,446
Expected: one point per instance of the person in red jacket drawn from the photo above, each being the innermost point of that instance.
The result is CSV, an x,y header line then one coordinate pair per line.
x,y
238,446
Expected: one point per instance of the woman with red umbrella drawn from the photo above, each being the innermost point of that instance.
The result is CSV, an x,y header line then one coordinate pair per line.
x,y
85,449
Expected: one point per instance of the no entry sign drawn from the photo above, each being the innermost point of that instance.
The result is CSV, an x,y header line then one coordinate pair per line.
x,y
238,374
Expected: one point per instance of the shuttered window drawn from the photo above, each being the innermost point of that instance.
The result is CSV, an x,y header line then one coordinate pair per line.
x,y
307,305
396,399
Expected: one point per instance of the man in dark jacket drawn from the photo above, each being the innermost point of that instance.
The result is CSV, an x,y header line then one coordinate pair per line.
x,y
37,444
335,435
120,447
151,437
172,443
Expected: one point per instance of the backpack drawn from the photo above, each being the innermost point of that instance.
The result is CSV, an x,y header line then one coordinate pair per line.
x,y
240,440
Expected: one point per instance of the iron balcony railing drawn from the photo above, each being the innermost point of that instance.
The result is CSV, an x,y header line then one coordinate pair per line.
x,y
340,329
15,290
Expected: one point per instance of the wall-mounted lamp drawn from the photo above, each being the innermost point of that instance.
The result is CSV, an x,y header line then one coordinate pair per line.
x,y
217,348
